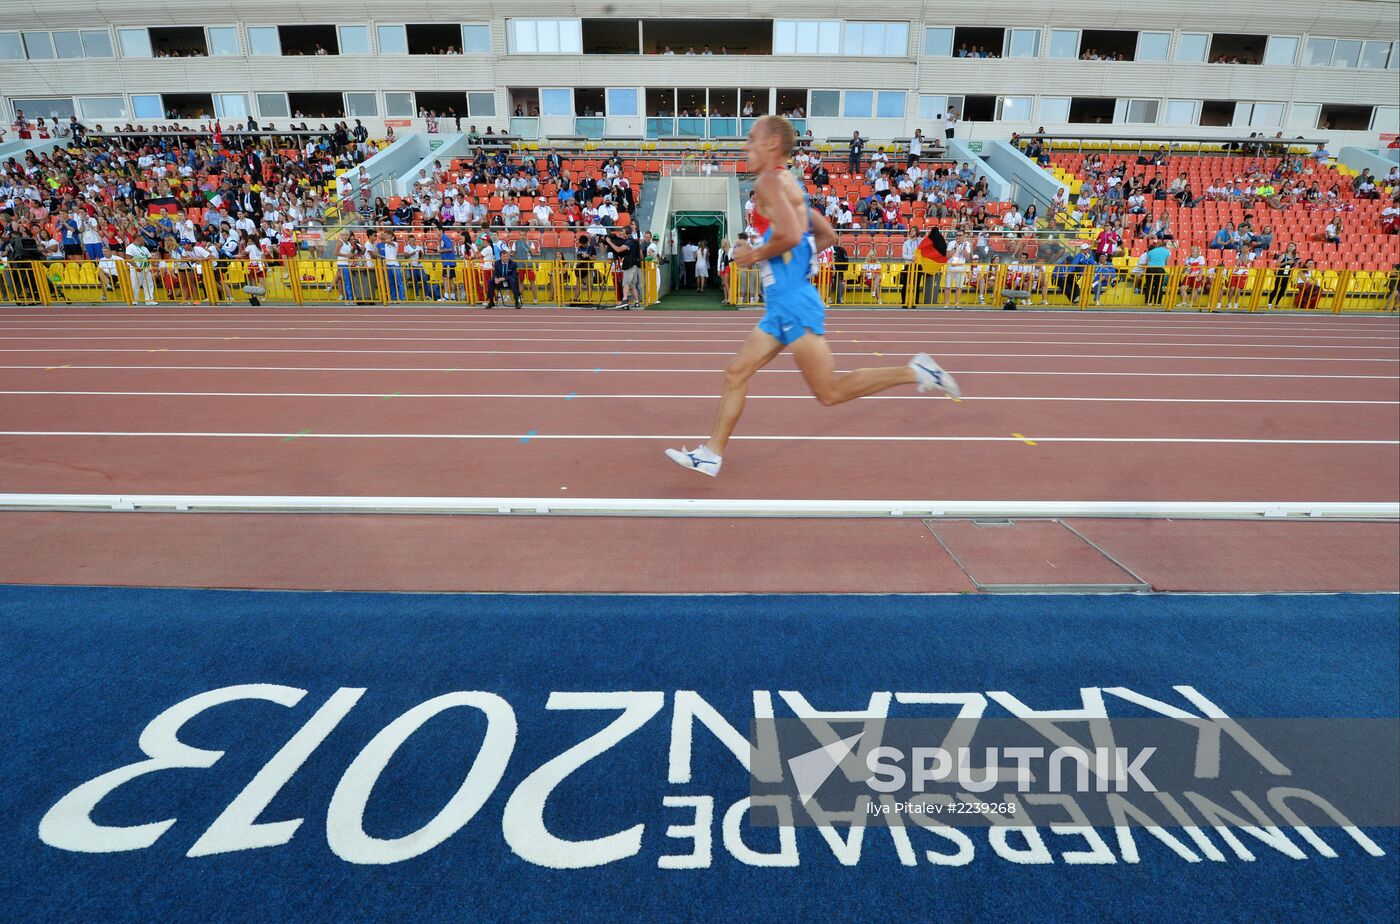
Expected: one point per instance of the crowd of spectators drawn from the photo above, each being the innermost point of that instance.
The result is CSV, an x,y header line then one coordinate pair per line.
x,y
158,200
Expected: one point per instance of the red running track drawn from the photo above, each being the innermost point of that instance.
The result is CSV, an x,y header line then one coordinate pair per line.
x,y
543,402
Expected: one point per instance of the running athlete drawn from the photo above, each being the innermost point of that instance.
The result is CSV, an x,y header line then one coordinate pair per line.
x,y
793,234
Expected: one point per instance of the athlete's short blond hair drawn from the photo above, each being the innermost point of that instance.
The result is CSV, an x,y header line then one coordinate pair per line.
x,y
781,129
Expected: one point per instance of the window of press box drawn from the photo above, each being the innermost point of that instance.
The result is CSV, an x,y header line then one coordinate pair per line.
x,y
1231,48
482,104
556,102
938,42
223,41
399,105
876,39
391,40
263,40
445,105
1182,112
858,104
622,101
1217,112
433,38
273,106
231,105
588,101
93,108
1192,47
308,40
977,109
68,45
188,105
316,105
826,104
354,40
38,46
1345,118
544,36
1303,116
973,41
50,108
1054,109
1064,44
611,37
476,39
147,106
11,47
1152,46
1014,109
1108,44
361,105
1092,110
1022,43
732,36
790,99
178,42
1281,50
801,37
97,43
135,43
1135,111
1375,54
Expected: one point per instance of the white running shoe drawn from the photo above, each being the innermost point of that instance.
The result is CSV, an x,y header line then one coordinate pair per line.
x,y
932,377
700,460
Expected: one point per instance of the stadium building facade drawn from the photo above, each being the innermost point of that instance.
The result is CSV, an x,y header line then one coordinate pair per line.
x,y
595,69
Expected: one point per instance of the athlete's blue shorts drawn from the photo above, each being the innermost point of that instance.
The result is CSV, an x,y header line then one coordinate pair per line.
x,y
793,313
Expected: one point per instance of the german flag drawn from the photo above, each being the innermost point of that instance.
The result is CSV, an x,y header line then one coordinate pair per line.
x,y
933,247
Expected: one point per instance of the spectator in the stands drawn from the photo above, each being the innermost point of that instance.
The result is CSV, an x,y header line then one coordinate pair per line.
x,y
1225,238
853,157
1364,185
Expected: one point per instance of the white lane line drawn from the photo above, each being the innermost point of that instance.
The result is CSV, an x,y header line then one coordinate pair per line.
x,y
533,436
842,340
669,371
698,507
941,354
582,396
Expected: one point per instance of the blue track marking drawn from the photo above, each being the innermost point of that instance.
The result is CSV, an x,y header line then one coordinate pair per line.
x,y
86,669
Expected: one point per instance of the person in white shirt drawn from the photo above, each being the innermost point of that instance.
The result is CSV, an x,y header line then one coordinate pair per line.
x,y
916,147
688,255
510,214
542,213
143,281
607,213
256,268
1013,219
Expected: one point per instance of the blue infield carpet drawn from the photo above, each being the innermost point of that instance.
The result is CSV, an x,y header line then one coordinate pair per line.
x,y
324,740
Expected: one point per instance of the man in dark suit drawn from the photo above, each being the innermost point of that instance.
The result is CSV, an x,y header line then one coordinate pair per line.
x,y
506,275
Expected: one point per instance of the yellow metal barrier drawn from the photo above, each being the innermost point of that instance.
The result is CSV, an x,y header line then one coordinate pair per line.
x,y
887,284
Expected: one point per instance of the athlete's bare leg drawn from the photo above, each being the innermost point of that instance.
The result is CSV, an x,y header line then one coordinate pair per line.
x,y
758,350
818,366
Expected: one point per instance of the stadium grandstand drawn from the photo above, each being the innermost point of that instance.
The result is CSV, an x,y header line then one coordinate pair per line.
x,y
358,361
